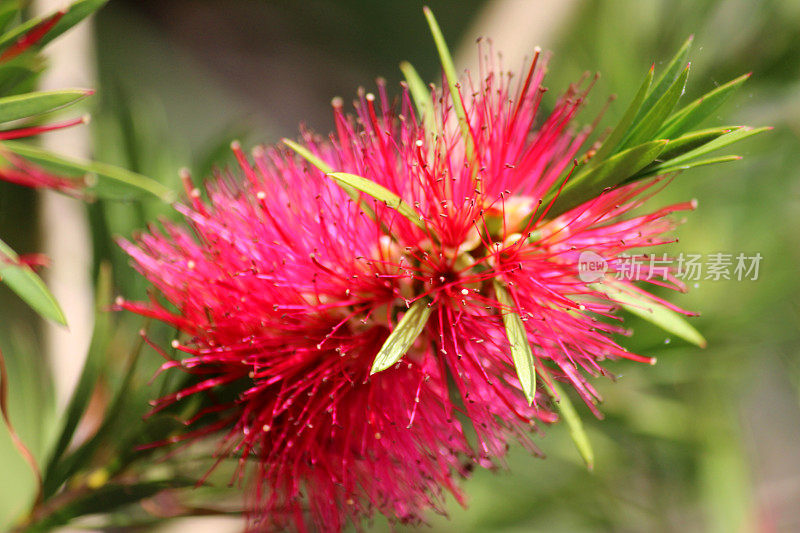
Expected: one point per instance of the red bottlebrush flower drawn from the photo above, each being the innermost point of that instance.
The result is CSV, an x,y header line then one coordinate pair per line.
x,y
353,328
288,294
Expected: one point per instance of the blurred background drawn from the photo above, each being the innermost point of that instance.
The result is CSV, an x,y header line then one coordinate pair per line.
x,y
706,440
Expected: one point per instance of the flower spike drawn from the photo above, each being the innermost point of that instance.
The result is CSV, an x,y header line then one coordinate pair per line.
x,y
344,306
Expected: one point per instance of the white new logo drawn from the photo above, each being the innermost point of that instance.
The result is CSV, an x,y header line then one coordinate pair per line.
x,y
591,267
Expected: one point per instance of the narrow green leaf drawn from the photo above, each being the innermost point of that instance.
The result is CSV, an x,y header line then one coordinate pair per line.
x,y
653,312
23,280
419,92
610,173
306,154
10,37
670,74
17,71
646,128
678,147
452,79
95,360
447,65
521,351
623,126
352,184
106,181
574,423
402,337
76,12
322,166
718,143
380,193
30,104
697,111
689,159
16,440
108,432
667,168
8,11
106,499
693,140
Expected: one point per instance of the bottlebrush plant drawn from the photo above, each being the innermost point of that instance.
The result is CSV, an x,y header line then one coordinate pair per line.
x,y
29,166
363,318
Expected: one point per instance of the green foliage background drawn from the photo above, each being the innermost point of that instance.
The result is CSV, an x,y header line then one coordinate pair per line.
x,y
706,440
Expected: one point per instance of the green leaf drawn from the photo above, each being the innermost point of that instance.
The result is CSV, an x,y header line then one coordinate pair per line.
x,y
623,126
697,111
380,193
689,159
452,79
8,12
718,143
18,71
23,280
655,116
27,105
402,337
95,360
106,181
16,440
306,154
108,432
521,351
670,74
10,37
420,94
667,167
352,184
574,423
693,140
678,147
613,171
321,165
416,87
105,499
76,12
652,311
